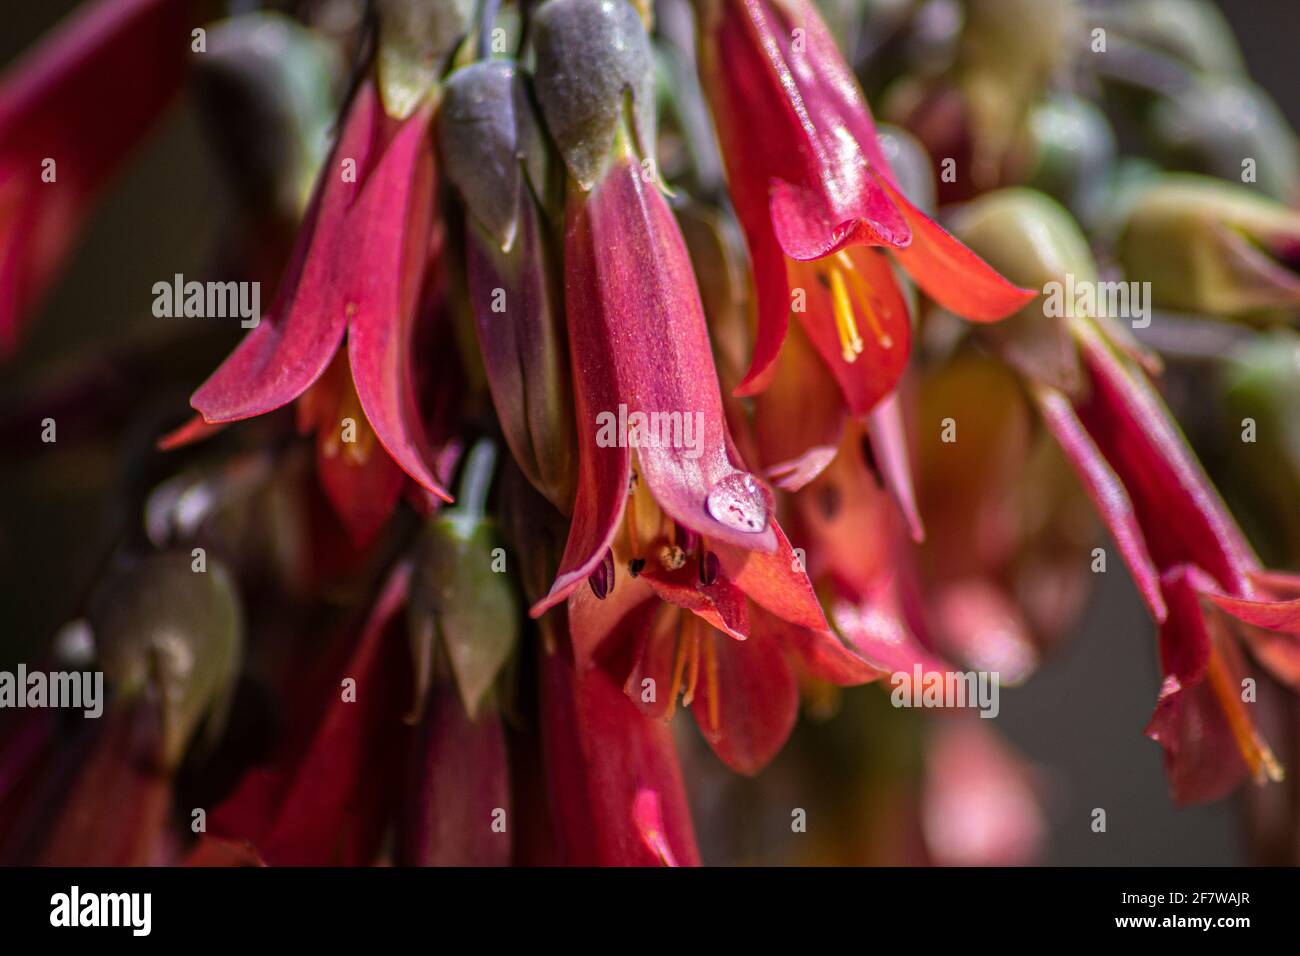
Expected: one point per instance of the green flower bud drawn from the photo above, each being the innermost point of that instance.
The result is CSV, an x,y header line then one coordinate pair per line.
x,y
416,40
1230,129
461,593
1073,152
1009,51
911,165
1193,32
264,88
1212,247
172,628
490,139
1034,242
592,56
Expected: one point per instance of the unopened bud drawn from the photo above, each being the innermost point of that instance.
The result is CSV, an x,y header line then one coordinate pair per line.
x,y
489,137
1034,242
592,55
416,38
165,630
1212,247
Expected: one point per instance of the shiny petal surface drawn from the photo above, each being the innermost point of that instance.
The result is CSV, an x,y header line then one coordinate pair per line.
x,y
387,250
639,347
746,700
294,342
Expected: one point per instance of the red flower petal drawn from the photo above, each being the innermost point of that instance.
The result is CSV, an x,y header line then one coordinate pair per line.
x,y
459,780
194,430
821,654
1272,615
84,98
889,445
647,812
774,581
1201,710
721,604
798,417
363,493
600,754
951,274
385,252
359,479
295,341
746,700
1182,517
328,800
1107,493
879,635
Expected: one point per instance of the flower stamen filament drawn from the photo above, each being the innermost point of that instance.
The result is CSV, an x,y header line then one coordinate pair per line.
x,y
845,322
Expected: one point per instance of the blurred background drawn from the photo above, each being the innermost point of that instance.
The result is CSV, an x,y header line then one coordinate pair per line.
x,y
1078,722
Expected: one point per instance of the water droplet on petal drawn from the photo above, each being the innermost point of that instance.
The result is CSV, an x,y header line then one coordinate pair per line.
x,y
738,502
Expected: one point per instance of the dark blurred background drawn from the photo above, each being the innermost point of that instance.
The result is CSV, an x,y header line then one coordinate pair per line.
x,y
1079,720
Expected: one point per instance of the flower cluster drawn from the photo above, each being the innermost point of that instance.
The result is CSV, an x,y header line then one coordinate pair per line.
x,y
618,360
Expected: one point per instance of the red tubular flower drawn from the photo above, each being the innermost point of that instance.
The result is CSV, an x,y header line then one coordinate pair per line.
x,y
643,370
693,528
1199,577
358,269
329,791
640,350
616,791
817,200
726,630
69,115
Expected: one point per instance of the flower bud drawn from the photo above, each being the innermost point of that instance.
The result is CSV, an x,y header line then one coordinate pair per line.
x,y
591,56
911,165
1230,129
416,38
1033,241
490,138
1009,50
492,143
1073,151
172,628
1261,390
461,592
1212,247
264,87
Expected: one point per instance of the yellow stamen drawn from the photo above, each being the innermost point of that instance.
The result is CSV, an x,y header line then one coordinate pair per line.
x,y
1259,758
679,665
711,677
629,515
862,295
845,323
694,675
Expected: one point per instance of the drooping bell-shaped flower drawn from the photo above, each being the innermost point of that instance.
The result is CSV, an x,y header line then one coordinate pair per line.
x,y
70,114
1197,574
820,205
646,391
359,270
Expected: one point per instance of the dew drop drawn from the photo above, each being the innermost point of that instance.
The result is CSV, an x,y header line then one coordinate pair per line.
x,y
738,502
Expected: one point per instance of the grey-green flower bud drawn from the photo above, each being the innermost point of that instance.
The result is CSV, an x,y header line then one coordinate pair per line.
x,y
592,57
416,38
490,138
